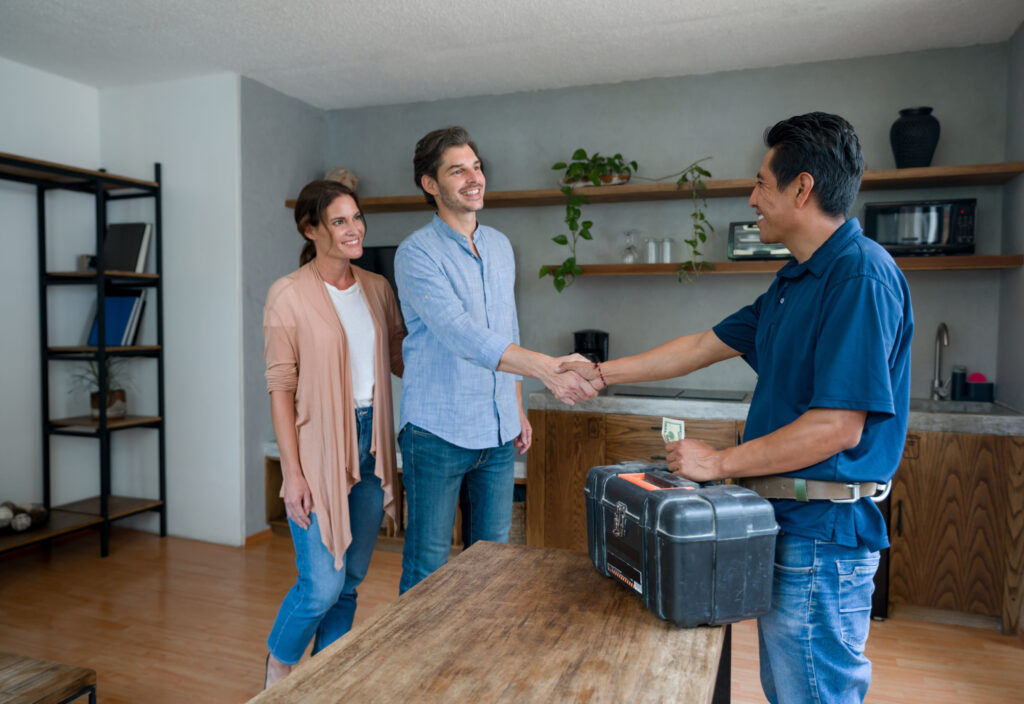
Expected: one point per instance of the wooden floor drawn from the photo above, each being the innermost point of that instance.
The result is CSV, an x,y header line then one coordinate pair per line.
x,y
172,620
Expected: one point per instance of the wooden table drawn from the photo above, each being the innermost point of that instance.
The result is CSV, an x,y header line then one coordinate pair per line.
x,y
511,623
26,680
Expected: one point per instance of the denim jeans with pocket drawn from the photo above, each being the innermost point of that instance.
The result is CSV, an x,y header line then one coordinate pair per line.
x,y
812,641
432,472
323,601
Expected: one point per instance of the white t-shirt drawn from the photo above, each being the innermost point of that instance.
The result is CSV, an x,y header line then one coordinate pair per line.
x,y
355,318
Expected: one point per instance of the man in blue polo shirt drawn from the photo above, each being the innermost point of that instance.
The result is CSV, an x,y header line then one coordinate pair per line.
x,y
462,417
830,343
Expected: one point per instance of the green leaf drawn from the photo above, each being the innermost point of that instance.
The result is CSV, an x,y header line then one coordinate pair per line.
x,y
576,270
559,284
560,239
587,224
567,190
559,165
544,271
585,234
579,154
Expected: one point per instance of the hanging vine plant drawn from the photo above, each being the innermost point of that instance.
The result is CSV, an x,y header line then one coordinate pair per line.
x,y
600,170
694,174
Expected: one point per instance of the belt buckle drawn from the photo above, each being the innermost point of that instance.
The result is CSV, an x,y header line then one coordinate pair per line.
x,y
854,488
881,492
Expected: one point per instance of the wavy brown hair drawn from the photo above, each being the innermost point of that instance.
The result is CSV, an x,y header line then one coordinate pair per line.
x,y
310,206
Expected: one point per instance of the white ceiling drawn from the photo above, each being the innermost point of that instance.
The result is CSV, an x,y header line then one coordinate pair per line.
x,y
353,53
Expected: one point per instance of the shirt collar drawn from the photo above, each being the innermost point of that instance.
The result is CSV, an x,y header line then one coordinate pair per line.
x,y
447,230
825,254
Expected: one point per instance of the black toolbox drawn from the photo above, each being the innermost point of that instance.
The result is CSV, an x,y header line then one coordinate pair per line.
x,y
696,555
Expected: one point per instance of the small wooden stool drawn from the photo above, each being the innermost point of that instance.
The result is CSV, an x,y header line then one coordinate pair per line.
x,y
29,681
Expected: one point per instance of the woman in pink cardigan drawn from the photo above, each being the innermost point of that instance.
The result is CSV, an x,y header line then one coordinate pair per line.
x,y
333,337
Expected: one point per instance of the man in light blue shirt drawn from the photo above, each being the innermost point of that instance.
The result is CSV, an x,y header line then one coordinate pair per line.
x,y
462,415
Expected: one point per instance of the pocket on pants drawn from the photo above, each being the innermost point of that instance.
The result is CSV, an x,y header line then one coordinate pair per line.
x,y
856,585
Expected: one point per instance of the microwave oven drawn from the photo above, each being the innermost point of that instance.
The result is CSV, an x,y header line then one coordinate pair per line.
x,y
922,228
745,243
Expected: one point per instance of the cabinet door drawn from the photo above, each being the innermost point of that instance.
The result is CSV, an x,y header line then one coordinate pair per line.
x,y
948,502
573,443
639,437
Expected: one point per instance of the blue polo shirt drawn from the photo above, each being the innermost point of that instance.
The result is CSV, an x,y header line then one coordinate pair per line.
x,y
832,332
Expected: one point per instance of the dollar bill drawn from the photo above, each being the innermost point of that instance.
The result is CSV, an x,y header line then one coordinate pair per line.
x,y
672,429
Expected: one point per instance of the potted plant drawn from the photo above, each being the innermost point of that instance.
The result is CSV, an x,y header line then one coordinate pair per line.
x,y
87,378
597,169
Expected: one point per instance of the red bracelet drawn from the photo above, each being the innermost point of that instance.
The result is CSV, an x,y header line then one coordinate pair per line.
x,y
597,366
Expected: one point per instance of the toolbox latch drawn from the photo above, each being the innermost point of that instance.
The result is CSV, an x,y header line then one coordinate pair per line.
x,y
619,527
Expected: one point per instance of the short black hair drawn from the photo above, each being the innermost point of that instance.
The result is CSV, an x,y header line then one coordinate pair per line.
x,y
826,147
431,148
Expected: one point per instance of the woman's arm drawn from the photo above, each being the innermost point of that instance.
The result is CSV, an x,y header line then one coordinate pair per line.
x,y
297,499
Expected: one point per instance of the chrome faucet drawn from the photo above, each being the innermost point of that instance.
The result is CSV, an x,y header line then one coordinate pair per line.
x,y
939,390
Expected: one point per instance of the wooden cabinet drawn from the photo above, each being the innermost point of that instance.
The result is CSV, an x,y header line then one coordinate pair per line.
x,y
957,525
567,444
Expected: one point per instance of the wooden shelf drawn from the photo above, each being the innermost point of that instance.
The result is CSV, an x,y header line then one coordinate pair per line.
x,y
61,523
891,179
110,274
21,168
90,423
117,506
962,263
87,352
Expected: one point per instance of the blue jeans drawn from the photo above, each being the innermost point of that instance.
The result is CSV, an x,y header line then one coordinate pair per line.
x,y
812,641
323,601
432,472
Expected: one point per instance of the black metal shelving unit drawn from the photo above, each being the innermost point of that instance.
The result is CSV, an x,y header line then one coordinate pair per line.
x,y
97,511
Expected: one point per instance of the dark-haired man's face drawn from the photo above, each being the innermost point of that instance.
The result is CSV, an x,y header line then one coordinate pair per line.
x,y
774,207
459,187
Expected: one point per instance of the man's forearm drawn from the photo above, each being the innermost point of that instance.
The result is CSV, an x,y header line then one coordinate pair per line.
x,y
815,436
677,357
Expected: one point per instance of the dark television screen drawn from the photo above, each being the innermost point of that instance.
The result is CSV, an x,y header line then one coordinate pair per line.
x,y
379,260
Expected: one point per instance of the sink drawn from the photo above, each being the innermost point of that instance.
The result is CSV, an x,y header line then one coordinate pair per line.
x,y
928,405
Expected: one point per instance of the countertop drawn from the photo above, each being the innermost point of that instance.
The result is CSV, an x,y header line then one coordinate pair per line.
x,y
933,416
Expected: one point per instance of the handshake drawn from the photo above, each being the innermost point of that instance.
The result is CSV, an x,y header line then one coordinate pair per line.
x,y
572,378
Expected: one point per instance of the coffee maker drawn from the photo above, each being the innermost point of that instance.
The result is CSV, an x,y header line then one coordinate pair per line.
x,y
592,344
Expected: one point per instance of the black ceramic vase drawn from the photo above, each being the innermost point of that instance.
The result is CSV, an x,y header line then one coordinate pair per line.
x,y
913,137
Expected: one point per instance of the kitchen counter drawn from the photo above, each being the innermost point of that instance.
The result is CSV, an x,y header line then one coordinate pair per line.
x,y
977,419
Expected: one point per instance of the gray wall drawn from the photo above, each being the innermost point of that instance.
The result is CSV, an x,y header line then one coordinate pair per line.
x,y
666,123
282,150
1010,376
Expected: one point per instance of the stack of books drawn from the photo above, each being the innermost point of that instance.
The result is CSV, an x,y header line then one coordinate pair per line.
x,y
123,312
126,246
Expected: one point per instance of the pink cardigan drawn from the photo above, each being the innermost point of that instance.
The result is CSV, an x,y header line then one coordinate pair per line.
x,y
306,352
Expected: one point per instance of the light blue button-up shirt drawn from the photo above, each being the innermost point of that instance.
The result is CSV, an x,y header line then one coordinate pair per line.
x,y
460,312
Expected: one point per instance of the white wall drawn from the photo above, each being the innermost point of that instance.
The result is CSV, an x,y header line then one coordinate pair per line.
x,y
45,117
192,128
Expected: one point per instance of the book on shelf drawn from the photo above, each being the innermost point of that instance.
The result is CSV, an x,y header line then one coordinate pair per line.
x,y
126,246
123,313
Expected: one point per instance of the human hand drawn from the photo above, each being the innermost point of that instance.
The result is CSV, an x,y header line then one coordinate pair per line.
x,y
567,386
694,460
297,499
585,368
525,438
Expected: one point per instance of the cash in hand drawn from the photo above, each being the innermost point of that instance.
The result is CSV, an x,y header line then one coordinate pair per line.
x,y
672,430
